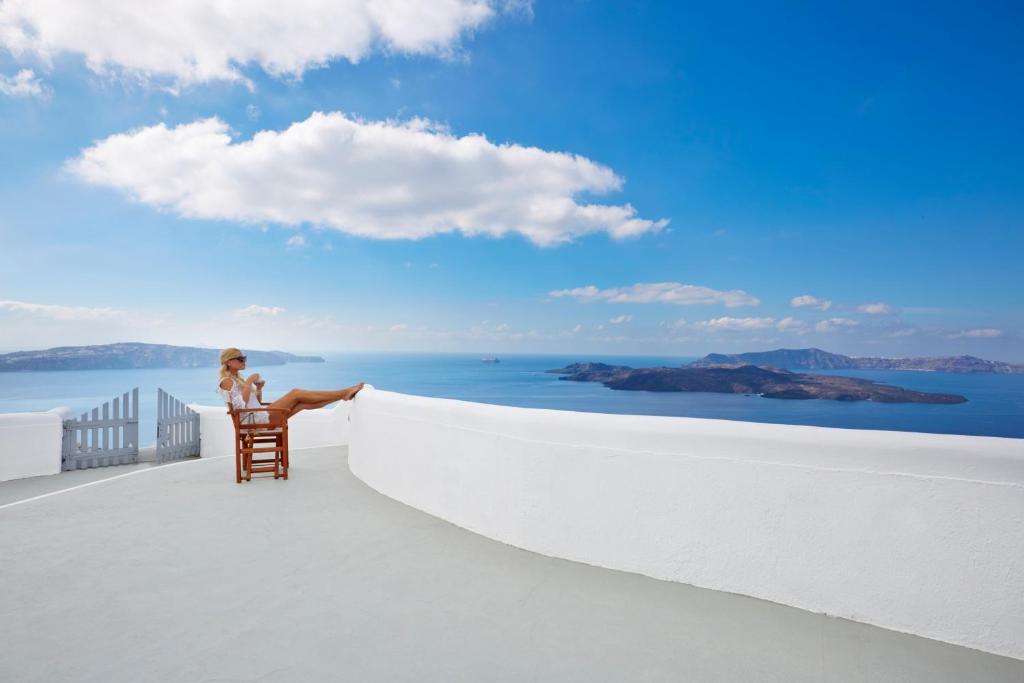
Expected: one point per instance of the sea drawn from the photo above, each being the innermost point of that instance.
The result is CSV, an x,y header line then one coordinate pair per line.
x,y
994,407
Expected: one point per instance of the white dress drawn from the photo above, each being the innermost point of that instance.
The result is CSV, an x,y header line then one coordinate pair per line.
x,y
233,397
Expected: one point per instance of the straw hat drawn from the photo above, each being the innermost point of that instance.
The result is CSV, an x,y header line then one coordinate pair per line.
x,y
228,354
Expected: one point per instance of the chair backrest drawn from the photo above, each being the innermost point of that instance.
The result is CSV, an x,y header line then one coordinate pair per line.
x,y
236,419
235,422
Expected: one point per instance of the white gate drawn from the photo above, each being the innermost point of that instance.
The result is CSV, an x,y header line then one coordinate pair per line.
x,y
99,441
177,429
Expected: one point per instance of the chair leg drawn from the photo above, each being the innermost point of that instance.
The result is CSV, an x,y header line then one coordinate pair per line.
x,y
279,454
284,445
244,457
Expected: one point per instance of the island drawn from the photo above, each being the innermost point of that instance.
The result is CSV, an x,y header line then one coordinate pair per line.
x,y
135,355
747,379
817,359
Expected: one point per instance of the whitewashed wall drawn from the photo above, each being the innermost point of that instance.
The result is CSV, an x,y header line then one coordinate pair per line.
x,y
30,443
306,429
919,533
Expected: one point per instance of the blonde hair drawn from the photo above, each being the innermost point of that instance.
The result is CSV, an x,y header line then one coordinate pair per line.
x,y
225,372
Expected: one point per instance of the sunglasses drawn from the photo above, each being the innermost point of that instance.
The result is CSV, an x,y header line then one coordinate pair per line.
x,y
241,358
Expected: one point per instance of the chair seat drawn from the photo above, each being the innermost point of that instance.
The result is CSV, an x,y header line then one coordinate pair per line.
x,y
275,430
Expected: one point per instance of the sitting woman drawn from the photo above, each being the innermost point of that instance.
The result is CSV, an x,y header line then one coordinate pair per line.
x,y
246,392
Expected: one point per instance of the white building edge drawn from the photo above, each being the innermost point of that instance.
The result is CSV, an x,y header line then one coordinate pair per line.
x,y
916,533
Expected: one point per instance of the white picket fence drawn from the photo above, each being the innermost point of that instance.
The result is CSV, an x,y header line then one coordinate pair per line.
x,y
100,440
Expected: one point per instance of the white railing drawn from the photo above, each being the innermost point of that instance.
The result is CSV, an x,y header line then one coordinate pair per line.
x,y
919,533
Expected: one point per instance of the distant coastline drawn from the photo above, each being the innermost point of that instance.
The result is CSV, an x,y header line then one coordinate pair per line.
x,y
994,406
748,379
817,359
138,355
134,356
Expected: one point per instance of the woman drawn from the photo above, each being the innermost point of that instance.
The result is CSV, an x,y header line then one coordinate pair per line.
x,y
242,392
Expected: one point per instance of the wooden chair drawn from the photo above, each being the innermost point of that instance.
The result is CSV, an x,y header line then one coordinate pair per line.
x,y
259,438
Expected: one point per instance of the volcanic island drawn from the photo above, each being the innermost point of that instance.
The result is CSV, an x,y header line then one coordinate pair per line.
x,y
747,379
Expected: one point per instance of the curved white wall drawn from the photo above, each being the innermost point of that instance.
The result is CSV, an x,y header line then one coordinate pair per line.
x,y
920,533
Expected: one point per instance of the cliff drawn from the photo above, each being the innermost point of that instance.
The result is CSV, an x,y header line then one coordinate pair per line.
x,y
134,355
817,359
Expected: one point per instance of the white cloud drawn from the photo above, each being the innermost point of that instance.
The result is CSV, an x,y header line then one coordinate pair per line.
x,y
660,292
296,241
981,333
57,312
577,328
257,311
487,330
835,324
810,301
900,332
183,42
383,179
878,308
619,319
252,111
25,83
791,325
400,327
673,324
728,324
321,322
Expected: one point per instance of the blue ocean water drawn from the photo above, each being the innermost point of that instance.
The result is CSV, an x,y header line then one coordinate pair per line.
x,y
995,404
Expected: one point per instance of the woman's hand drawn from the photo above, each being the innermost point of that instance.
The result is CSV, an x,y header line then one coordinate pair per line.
x,y
254,378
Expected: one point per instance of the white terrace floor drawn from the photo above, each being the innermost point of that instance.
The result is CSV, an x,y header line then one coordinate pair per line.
x,y
175,573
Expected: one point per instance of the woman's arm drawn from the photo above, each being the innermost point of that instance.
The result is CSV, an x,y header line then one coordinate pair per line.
x,y
247,387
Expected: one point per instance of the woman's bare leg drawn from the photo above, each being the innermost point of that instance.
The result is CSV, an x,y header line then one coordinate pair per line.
x,y
309,406
309,397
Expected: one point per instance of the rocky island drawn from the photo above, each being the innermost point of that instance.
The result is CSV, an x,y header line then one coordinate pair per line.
x,y
747,379
817,359
134,355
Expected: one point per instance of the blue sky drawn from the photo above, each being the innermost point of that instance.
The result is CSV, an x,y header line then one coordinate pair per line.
x,y
866,159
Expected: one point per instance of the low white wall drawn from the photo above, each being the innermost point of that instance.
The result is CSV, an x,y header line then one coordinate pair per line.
x,y
30,443
306,429
920,533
